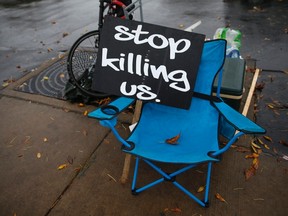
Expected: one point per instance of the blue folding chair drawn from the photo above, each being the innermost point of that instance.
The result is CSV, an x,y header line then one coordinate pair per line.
x,y
194,132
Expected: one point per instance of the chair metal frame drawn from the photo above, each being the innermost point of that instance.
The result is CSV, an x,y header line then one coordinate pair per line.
x,y
240,124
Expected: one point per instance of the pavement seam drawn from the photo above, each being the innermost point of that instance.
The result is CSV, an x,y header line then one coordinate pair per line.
x,y
77,174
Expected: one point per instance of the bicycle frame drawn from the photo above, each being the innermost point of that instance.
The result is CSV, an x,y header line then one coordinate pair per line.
x,y
127,9
103,5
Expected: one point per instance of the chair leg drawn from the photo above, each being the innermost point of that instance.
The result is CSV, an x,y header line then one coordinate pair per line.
x,y
208,180
135,176
172,178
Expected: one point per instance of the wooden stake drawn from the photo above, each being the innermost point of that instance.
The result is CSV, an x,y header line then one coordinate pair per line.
x,y
251,91
127,160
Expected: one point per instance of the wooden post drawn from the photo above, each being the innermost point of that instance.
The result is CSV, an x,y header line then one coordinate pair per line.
x,y
127,160
251,91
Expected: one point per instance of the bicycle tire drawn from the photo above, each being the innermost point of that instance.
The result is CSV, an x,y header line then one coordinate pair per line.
x,y
81,63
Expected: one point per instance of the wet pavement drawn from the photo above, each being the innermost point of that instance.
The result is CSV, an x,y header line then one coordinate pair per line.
x,y
36,31
32,32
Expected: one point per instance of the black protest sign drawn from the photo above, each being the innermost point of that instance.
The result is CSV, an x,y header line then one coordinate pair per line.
x,y
147,62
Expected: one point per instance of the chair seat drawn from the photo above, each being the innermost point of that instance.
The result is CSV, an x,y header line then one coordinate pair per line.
x,y
193,145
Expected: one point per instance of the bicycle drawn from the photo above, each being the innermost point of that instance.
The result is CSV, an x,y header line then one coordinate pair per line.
x,y
83,53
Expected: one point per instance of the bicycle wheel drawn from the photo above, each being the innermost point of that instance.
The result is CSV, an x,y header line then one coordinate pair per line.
x,y
81,62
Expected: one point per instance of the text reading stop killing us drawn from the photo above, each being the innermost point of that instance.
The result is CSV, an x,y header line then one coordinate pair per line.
x,y
141,66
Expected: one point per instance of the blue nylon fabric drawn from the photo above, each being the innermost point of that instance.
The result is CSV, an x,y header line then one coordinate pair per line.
x,y
198,126
120,104
239,121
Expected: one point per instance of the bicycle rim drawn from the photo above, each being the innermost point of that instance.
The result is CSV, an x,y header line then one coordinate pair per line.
x,y
81,62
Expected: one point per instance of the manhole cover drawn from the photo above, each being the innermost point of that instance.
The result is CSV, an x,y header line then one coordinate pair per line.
x,y
49,82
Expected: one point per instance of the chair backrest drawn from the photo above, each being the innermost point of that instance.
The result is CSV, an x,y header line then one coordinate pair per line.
x,y
212,61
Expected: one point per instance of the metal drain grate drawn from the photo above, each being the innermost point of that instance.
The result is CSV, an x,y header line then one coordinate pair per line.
x,y
49,82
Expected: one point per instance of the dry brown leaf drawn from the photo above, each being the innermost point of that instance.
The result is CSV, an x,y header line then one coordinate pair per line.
x,y
173,140
200,189
65,34
255,163
268,138
249,172
219,197
260,141
62,166
271,106
255,145
260,86
253,155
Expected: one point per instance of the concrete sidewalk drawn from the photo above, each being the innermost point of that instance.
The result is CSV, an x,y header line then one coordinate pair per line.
x,y
39,134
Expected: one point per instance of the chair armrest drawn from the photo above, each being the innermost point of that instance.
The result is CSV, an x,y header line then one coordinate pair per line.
x,y
111,110
237,120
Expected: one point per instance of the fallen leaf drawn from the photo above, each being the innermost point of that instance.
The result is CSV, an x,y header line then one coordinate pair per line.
x,y
254,149
271,106
253,155
49,49
255,163
268,138
249,172
173,140
81,105
38,155
65,34
45,139
200,189
62,75
255,145
85,113
260,141
62,166
260,86
5,84
266,146
219,197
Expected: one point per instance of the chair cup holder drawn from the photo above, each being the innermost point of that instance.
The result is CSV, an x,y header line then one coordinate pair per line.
x,y
110,110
